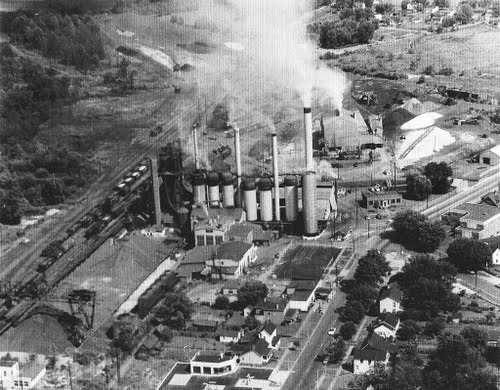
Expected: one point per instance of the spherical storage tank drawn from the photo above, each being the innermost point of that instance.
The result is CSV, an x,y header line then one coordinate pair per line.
x,y
250,199
199,192
291,198
213,189
266,199
227,190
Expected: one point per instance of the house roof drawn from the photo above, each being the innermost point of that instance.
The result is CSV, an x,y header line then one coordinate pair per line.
x,y
493,197
291,313
205,213
369,354
31,369
323,290
272,304
228,332
303,285
269,327
241,229
150,341
495,150
389,319
233,250
211,358
198,255
374,341
392,292
8,363
186,270
382,194
477,212
232,284
261,348
301,295
240,349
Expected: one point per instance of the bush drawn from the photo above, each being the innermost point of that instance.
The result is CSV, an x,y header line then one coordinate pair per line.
x,y
429,70
347,330
221,303
446,71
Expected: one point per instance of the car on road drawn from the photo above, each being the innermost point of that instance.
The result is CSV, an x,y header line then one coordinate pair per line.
x,y
331,331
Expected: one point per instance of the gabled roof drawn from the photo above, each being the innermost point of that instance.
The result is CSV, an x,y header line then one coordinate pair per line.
x,y
477,212
228,332
241,229
369,354
389,319
198,255
376,342
31,369
261,348
495,150
301,295
392,292
272,304
269,327
233,250
232,284
492,197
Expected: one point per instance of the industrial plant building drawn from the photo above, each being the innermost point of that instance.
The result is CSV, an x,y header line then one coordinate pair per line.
x,y
381,199
477,221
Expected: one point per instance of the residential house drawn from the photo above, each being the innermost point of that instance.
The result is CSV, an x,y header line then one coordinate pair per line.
x,y
490,156
323,293
387,325
212,364
373,350
193,265
230,289
494,244
243,232
271,309
229,335
231,259
258,355
491,199
478,221
301,293
151,344
205,325
269,332
390,299
381,199
210,226
15,376
291,316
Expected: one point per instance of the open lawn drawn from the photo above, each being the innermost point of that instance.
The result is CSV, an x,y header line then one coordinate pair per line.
x,y
305,262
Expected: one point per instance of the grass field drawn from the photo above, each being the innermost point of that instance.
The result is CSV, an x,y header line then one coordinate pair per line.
x,y
305,262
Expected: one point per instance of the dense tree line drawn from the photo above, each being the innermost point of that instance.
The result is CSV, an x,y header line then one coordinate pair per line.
x,y
468,254
74,40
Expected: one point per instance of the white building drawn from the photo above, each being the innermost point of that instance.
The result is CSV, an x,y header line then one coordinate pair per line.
x,y
490,156
302,300
390,299
229,335
231,259
387,325
259,355
365,360
478,221
212,364
269,333
14,376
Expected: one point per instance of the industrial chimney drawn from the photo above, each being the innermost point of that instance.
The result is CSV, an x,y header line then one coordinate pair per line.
x,y
274,137
309,178
195,141
156,190
237,151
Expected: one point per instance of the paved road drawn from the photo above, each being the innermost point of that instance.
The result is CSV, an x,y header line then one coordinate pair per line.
x,y
485,285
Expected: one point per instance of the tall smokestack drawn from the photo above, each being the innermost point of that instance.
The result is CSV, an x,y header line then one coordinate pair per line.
x,y
156,190
237,151
274,137
308,132
195,140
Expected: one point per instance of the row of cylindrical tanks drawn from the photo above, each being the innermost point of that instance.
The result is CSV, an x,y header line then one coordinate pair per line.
x,y
220,191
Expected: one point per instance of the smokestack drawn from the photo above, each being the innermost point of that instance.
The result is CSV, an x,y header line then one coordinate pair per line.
x,y
237,151
195,140
308,132
156,190
276,177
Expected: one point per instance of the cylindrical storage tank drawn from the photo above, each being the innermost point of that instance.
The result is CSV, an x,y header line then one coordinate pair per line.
x,y
266,200
213,189
250,199
227,190
199,193
291,198
309,203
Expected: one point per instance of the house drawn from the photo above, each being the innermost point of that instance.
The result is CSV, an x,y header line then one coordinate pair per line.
x,y
229,335
210,225
268,332
491,199
390,299
291,316
212,364
243,232
151,343
193,265
231,259
163,332
258,355
205,325
490,156
302,299
14,376
271,309
494,244
493,339
381,199
387,325
323,293
230,289
376,126
478,221
365,360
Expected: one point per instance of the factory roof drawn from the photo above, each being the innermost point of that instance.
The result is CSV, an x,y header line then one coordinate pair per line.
x,y
217,223
198,254
233,250
347,130
477,212
242,229
205,213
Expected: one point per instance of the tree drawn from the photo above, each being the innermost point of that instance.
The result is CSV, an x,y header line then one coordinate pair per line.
x,y
418,187
405,224
383,8
425,266
52,192
495,10
221,303
448,21
9,210
347,330
364,293
354,311
440,176
434,327
476,338
442,3
175,309
404,5
469,254
408,330
251,293
464,13
339,350
372,267
430,235
125,341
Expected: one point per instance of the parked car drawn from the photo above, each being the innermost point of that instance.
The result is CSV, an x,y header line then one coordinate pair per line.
x,y
332,331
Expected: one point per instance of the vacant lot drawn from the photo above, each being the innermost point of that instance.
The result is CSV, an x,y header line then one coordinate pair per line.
x,y
305,262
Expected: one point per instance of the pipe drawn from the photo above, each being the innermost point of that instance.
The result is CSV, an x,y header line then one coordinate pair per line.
x,y
274,137
237,151
308,132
